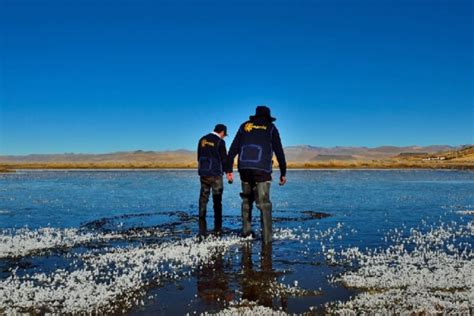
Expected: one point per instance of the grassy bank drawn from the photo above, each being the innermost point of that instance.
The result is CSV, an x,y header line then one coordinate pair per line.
x,y
384,165
191,165
98,165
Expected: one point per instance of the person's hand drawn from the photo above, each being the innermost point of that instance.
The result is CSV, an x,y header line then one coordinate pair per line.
x,y
282,181
230,177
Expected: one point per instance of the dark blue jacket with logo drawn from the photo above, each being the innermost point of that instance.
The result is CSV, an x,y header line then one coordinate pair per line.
x,y
255,143
211,155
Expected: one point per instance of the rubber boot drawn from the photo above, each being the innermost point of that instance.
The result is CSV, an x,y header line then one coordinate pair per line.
x,y
217,200
265,206
247,196
203,200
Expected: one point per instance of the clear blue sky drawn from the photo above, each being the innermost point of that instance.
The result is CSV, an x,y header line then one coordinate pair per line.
x,y
102,76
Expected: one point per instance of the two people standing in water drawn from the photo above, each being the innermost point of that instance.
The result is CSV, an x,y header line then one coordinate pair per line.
x,y
255,143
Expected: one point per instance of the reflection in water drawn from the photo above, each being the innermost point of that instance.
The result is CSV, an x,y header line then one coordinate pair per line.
x,y
213,282
217,283
256,283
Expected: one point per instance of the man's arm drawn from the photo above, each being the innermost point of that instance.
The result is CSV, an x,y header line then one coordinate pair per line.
x,y
223,154
198,149
278,149
233,151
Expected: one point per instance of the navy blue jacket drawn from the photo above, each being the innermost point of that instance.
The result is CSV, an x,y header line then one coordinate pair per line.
x,y
255,143
211,155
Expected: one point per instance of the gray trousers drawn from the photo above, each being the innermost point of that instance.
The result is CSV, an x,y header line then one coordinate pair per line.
x,y
260,193
215,184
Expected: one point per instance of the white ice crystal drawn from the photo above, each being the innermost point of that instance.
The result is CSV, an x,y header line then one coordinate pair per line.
x,y
284,234
107,281
465,212
25,241
246,308
436,275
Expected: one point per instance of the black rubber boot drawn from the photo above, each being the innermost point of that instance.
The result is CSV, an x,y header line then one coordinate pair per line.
x,y
217,199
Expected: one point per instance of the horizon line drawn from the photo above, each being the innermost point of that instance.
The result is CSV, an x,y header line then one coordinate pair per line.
x,y
193,150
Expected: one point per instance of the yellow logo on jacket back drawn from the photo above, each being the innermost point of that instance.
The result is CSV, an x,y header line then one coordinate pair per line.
x,y
251,126
205,143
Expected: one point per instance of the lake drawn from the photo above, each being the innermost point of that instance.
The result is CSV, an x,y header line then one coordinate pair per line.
x,y
125,242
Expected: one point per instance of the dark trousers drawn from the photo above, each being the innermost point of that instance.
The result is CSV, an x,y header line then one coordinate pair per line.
x,y
216,184
258,192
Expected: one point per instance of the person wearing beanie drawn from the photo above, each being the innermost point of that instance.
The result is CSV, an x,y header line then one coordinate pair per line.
x,y
255,142
211,155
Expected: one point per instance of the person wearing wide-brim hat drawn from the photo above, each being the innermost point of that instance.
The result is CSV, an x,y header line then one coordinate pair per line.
x,y
255,142
211,155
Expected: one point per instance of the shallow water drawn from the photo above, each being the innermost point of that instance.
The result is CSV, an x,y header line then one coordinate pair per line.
x,y
134,205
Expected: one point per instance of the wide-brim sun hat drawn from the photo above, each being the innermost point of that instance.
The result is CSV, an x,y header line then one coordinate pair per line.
x,y
263,111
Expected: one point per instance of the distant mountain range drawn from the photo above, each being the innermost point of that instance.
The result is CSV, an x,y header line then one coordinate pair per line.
x,y
311,153
297,154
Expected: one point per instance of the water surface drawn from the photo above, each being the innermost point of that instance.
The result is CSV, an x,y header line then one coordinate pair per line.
x,y
364,206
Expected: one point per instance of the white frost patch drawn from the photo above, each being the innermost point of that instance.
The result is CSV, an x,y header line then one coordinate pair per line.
x,y
21,242
309,233
465,212
277,289
425,273
24,241
284,234
107,282
246,308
